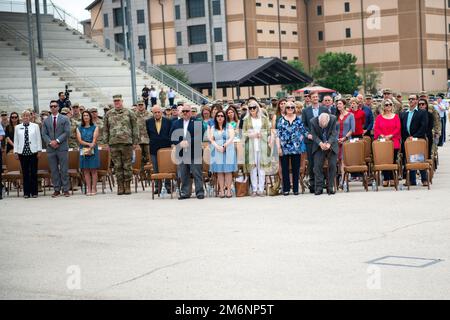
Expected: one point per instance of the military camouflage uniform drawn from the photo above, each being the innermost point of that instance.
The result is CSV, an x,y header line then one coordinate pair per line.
x,y
436,129
162,98
73,142
99,124
121,132
144,141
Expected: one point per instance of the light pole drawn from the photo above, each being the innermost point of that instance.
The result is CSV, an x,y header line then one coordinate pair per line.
x,y
213,50
125,40
132,55
32,58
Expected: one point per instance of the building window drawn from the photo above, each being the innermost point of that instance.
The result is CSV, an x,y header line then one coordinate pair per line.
x,y
105,20
120,41
219,57
448,3
259,31
180,60
210,92
117,17
197,34
107,44
348,33
195,8
285,58
179,41
177,12
217,34
272,31
283,32
258,4
282,6
320,35
270,5
319,10
295,58
347,6
294,33
224,92
216,8
195,57
140,16
294,7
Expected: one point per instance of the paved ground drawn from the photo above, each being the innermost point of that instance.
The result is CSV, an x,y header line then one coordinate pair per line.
x,y
272,248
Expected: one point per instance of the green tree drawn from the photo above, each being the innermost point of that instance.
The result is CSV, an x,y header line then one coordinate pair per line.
x,y
297,64
176,73
337,71
373,79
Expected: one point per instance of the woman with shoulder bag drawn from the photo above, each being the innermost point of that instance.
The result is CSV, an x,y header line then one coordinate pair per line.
x,y
87,135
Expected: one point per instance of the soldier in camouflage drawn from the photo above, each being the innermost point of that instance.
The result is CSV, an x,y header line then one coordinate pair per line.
x,y
74,124
99,123
388,94
76,112
121,134
142,115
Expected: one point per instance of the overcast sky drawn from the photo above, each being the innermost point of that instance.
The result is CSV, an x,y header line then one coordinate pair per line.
x,y
75,8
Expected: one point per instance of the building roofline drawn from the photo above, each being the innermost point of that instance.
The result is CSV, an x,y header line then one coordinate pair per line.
x,y
93,4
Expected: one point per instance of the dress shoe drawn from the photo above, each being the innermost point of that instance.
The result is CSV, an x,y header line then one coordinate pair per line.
x,y
56,194
311,190
34,196
330,193
26,196
285,194
66,194
425,183
201,197
127,187
296,193
182,198
318,192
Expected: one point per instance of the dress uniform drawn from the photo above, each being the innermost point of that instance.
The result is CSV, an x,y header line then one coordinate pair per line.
x,y
121,133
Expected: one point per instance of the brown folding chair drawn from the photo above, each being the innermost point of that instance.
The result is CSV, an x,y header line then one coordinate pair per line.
x,y
104,172
74,168
354,161
43,168
303,170
415,147
13,172
167,170
137,170
368,153
430,160
383,157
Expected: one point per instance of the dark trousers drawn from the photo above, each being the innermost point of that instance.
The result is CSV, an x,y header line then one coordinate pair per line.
x,y
154,101
442,138
310,166
171,101
319,159
185,171
29,166
146,103
294,160
387,175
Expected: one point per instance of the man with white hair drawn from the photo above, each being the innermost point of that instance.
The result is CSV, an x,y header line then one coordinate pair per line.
x,y
324,146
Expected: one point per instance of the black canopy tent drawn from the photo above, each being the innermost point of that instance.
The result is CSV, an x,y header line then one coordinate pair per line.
x,y
243,73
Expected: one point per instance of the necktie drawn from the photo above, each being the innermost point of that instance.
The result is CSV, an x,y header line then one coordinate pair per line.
x,y
408,123
54,126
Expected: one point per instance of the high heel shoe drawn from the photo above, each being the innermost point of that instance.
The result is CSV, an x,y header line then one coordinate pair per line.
x,y
229,194
221,194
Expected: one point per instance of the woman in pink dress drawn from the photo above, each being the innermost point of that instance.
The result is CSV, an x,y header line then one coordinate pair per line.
x,y
388,127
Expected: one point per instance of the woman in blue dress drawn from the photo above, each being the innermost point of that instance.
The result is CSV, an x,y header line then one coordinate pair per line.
x,y
87,135
223,154
291,144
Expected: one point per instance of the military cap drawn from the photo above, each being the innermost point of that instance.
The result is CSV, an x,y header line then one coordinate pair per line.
x,y
387,90
422,93
441,95
106,107
4,113
117,97
76,105
306,92
45,113
369,96
174,107
140,102
65,110
348,96
94,109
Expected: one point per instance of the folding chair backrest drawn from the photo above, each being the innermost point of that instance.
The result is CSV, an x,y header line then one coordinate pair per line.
x,y
11,163
43,162
367,147
165,163
74,159
354,153
383,152
415,147
105,159
138,159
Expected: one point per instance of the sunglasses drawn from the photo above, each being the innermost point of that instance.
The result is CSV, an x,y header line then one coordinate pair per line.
x,y
55,106
412,99
290,108
116,100
388,105
220,116
186,111
422,104
251,108
14,117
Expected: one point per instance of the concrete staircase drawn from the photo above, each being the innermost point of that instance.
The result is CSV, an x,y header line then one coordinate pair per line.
x,y
94,73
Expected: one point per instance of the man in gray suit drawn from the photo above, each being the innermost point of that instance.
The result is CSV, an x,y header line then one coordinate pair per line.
x,y
324,146
55,133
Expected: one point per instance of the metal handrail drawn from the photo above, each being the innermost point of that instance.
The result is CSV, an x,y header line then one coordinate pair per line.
x,y
168,80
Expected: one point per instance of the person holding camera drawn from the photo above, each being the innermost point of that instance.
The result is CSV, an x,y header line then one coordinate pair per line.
x,y
63,101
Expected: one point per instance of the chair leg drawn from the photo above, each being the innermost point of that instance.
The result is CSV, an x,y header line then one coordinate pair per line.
x,y
428,178
396,180
408,180
135,183
171,189
153,189
377,178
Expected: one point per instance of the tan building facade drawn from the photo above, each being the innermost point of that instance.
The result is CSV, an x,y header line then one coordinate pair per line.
x,y
404,39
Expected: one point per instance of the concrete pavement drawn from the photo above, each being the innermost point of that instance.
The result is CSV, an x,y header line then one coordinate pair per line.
x,y
305,247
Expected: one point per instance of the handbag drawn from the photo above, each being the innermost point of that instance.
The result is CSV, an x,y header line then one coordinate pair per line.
x,y
242,185
86,151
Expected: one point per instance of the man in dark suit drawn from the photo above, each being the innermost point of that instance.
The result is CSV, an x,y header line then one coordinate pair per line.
x,y
158,130
309,113
328,103
414,125
324,146
55,133
187,135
